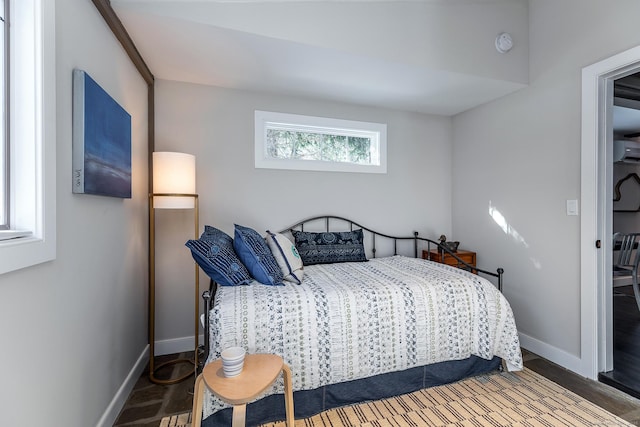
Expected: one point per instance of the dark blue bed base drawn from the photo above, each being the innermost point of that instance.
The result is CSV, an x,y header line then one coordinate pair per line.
x,y
310,402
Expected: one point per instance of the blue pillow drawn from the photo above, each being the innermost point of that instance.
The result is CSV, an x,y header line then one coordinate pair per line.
x,y
214,253
255,254
327,248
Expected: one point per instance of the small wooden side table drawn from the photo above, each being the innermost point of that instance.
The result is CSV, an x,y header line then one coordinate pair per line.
x,y
446,258
259,372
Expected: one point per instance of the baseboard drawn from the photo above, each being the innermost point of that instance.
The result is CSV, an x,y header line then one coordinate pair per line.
x,y
176,345
551,353
111,413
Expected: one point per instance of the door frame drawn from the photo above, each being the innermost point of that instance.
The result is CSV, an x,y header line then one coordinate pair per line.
x,y
596,192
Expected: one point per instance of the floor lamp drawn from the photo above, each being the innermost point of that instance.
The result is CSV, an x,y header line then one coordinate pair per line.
x,y
174,187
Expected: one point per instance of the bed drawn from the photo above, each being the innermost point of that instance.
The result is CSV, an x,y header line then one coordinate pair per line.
x,y
365,330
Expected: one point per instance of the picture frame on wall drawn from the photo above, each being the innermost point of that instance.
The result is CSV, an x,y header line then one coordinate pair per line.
x,y
101,141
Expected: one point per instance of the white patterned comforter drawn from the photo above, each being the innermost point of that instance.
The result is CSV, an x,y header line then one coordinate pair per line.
x,y
354,320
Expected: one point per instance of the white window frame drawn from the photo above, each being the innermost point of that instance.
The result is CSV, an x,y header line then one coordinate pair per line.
x,y
4,149
266,119
32,136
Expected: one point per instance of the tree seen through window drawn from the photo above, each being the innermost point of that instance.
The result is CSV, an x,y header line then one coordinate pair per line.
x,y
297,145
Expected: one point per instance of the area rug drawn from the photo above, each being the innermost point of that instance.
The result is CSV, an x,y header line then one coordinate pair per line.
x,y
523,399
180,420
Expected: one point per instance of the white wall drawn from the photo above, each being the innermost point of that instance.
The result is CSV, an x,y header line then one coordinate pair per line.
x,y
217,125
521,156
72,329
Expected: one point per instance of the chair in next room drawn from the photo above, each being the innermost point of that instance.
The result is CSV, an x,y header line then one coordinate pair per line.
x,y
625,265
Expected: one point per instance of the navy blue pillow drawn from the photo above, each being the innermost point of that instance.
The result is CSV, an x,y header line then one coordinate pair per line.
x,y
255,254
327,248
214,253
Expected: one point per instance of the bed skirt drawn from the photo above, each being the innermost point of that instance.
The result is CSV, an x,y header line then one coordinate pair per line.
x,y
311,402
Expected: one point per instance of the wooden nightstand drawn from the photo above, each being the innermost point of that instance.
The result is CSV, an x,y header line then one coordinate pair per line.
x,y
466,256
259,372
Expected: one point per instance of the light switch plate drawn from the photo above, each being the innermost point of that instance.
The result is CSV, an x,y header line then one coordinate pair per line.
x,y
572,207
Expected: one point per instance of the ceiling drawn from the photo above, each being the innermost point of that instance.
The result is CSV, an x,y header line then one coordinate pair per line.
x,y
428,56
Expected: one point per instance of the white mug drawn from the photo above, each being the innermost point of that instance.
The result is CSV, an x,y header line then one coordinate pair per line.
x,y
232,361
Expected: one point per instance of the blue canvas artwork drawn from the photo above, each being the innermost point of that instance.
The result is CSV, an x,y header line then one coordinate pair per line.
x,y
101,141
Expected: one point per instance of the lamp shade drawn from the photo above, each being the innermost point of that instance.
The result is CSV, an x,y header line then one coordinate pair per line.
x,y
174,173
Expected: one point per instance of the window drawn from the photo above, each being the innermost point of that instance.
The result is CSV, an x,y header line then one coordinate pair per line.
x,y
28,166
291,141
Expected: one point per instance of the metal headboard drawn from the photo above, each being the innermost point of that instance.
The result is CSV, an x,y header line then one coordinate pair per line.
x,y
354,225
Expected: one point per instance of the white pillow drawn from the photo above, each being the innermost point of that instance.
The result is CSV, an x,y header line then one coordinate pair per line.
x,y
287,257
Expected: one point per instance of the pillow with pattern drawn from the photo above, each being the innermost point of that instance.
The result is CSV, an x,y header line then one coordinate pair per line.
x,y
214,253
330,247
286,256
253,251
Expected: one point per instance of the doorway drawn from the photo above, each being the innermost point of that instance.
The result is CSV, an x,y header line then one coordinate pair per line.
x,y
597,205
625,219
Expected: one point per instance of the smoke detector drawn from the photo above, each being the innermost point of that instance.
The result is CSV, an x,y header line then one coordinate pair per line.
x,y
504,42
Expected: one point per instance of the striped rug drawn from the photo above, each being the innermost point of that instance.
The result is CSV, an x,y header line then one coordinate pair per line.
x,y
523,399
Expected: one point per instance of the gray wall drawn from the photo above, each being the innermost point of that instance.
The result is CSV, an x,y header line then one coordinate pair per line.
x,y
521,156
76,326
73,329
217,125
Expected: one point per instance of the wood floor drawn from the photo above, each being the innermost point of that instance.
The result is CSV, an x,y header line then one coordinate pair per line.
x,y
626,343
613,400
149,402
